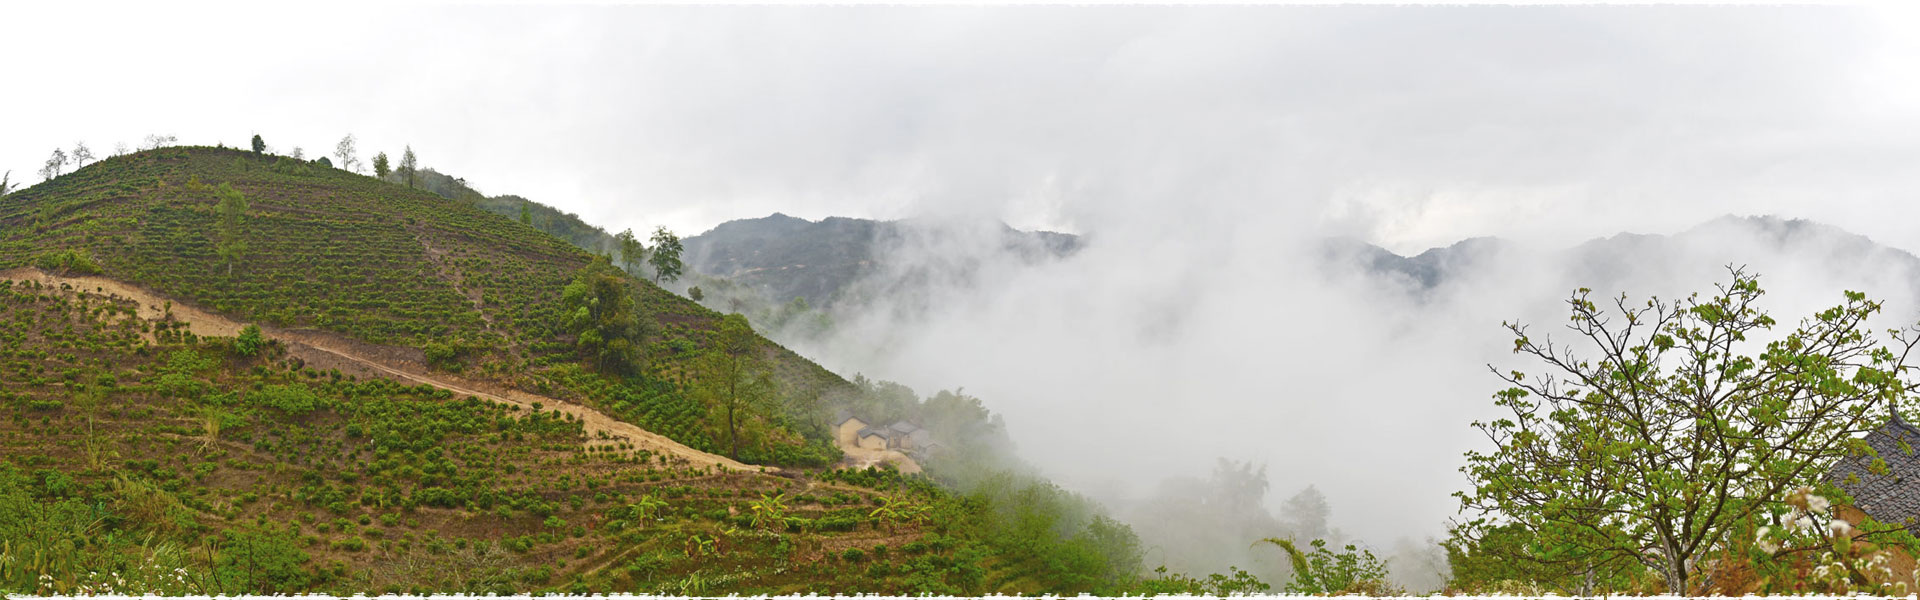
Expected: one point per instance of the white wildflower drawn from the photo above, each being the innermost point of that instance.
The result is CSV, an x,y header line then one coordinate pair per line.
x,y
1801,523
1819,504
1766,544
1840,528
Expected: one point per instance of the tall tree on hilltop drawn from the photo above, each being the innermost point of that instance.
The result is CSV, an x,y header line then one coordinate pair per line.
x,y
409,166
734,379
349,157
81,155
380,168
526,214
232,211
1669,441
665,255
632,252
54,164
259,145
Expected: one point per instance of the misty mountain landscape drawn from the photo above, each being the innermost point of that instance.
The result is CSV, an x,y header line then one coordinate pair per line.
x,y
784,257
630,299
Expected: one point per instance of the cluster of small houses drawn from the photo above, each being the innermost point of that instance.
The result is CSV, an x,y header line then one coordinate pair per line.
x,y
850,431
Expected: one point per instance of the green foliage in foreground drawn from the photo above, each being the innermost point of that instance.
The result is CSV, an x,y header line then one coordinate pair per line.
x,y
1668,439
1487,559
1318,570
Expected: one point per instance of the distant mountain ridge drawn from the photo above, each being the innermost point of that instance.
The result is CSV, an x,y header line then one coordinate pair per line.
x,y
1611,258
787,257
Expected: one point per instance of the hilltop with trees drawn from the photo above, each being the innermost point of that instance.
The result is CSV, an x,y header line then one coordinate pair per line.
x,y
231,371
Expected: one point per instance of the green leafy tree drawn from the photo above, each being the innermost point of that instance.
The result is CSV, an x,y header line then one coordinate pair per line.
x,y
232,213
261,559
526,214
600,311
1664,442
1319,570
646,508
632,252
695,293
249,342
768,511
665,255
1491,559
259,145
409,166
734,379
6,185
380,167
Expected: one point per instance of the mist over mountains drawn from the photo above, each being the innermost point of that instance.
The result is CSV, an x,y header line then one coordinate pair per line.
x,y
851,261
1335,362
787,257
1625,257
1271,349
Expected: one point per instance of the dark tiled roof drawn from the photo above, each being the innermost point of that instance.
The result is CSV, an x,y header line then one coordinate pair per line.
x,y
841,416
1895,496
904,427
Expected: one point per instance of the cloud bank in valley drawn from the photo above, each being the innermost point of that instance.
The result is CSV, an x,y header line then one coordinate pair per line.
x,y
1134,362
1205,153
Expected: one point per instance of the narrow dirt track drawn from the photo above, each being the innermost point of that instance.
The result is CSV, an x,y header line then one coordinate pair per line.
x,y
316,347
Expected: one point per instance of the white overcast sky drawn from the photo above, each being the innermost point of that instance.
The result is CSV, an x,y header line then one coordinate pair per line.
x,y
1408,126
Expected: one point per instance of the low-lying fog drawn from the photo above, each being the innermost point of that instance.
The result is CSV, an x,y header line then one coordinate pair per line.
x,y
1149,355
1208,156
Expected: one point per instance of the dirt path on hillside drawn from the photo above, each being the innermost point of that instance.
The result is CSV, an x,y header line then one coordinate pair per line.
x,y
861,458
331,349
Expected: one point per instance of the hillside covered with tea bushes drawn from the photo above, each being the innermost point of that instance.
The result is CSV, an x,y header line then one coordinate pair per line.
x,y
427,279
150,443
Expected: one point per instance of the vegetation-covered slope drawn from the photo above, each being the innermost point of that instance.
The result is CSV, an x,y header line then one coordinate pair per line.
x,y
434,279
139,457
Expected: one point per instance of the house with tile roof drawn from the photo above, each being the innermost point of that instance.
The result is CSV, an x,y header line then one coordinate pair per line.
x,y
850,431
1894,497
847,428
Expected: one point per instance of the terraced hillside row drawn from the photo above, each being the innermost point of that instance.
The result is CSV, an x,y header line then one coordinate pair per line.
x,y
434,280
141,458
